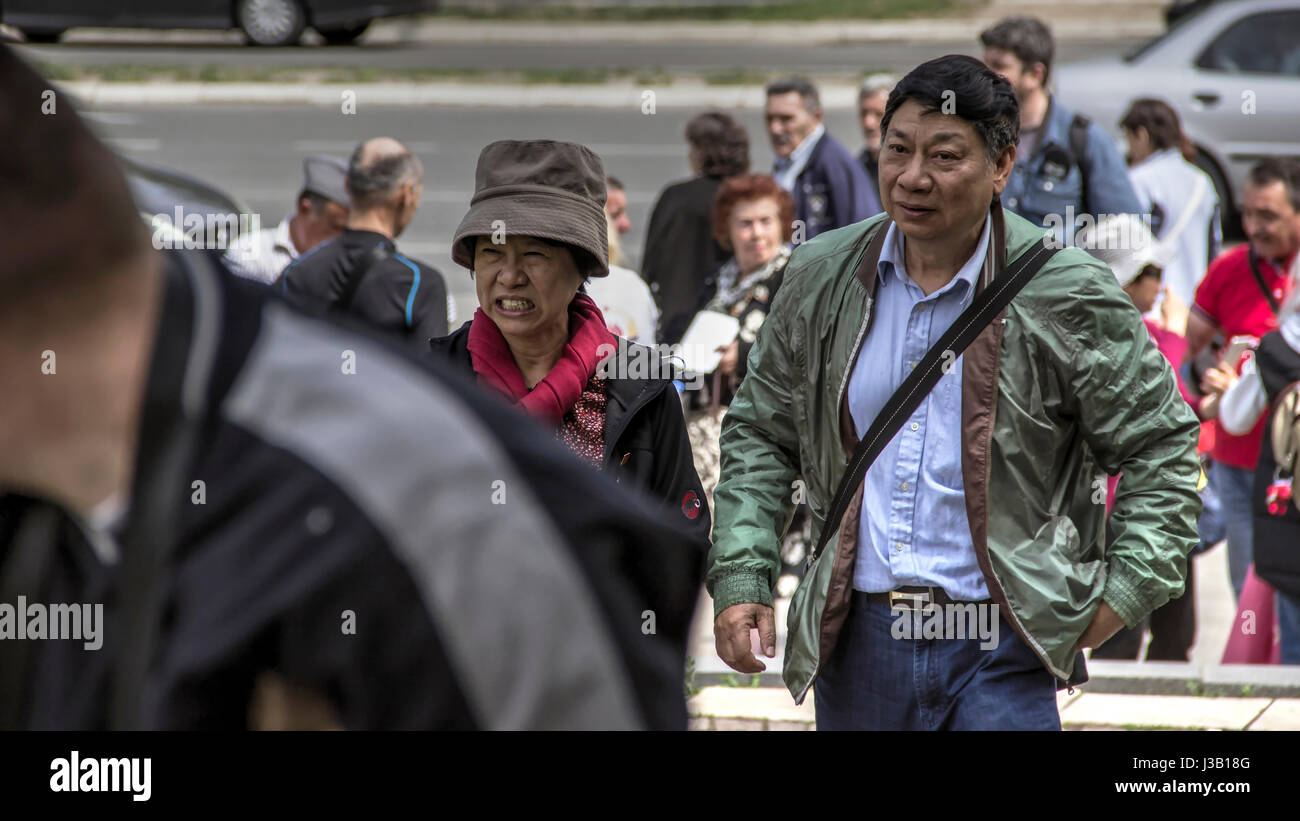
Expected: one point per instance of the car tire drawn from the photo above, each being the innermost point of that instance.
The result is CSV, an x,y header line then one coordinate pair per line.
x,y
1229,216
271,22
344,36
42,35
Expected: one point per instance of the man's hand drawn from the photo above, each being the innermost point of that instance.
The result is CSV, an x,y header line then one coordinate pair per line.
x,y
731,635
1105,624
730,357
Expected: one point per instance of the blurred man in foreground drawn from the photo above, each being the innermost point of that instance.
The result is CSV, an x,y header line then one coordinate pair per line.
x,y
252,495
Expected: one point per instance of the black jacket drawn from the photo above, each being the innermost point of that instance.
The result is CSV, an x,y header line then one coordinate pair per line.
x,y
1277,538
492,579
832,191
396,293
645,432
680,254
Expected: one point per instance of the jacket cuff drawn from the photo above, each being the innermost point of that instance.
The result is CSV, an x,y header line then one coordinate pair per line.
x,y
740,587
1124,596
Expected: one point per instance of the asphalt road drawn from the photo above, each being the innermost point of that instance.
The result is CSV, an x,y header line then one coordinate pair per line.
x,y
254,153
220,48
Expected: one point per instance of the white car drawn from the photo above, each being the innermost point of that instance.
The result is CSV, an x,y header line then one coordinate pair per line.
x,y
1232,72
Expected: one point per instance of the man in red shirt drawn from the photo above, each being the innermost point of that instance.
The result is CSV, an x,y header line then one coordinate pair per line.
x,y
1239,296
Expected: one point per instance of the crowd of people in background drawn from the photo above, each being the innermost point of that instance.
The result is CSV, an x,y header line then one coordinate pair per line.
x,y
720,242
556,299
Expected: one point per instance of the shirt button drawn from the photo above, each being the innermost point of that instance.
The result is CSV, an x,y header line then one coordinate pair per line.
x,y
911,365
903,487
915,426
898,546
1011,203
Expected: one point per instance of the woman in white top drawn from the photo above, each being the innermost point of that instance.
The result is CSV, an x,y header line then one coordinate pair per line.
x,y
1180,197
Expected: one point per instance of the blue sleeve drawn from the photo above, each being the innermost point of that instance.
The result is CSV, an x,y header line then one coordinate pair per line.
x,y
1109,189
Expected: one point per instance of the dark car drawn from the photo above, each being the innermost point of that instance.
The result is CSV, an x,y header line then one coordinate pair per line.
x,y
266,22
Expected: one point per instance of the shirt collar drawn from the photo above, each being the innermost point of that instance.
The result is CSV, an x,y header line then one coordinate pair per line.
x,y
283,239
891,264
794,164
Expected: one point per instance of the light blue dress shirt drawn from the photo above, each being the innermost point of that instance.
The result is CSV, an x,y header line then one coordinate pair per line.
x,y
785,170
913,529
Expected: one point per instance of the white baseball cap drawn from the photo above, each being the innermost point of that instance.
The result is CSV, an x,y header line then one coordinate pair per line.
x,y
1125,243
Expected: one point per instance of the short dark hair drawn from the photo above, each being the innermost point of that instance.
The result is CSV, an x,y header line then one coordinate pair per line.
x,y
800,85
614,182
370,184
722,144
1278,169
977,94
1026,37
1158,118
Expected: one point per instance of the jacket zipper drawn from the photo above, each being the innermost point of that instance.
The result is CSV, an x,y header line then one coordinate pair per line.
x,y
844,385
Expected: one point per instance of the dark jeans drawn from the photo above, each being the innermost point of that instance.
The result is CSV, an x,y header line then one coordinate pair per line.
x,y
873,681
1173,629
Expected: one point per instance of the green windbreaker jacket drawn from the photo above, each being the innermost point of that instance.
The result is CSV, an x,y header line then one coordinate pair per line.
x,y
1062,389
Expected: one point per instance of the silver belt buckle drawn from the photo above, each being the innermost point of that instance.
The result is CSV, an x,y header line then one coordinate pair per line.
x,y
916,599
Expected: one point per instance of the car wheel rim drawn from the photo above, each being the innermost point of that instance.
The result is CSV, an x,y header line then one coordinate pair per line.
x,y
269,19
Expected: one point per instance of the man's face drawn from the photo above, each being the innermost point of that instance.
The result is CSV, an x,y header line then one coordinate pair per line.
x,y
936,180
1024,79
788,122
1270,223
870,112
616,207
321,222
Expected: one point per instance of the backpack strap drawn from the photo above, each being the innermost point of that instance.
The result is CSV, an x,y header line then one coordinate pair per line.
x,y
1079,150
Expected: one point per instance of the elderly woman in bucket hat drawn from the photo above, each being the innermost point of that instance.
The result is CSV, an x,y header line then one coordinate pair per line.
x,y
535,232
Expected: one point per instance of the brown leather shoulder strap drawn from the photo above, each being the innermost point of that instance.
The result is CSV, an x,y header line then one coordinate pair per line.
x,y
866,271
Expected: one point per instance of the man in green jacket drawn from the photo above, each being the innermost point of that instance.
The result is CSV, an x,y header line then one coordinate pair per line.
x,y
990,499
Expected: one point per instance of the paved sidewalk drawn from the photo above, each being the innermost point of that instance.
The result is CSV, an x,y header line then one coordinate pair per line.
x,y
772,708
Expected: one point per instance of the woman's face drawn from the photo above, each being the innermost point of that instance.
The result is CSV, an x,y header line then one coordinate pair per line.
x,y
525,285
1144,290
1139,145
755,231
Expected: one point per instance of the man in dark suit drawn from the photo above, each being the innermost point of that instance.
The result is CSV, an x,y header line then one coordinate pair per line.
x,y
829,185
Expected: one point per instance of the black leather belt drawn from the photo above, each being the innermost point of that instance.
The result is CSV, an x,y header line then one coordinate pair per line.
x,y
912,598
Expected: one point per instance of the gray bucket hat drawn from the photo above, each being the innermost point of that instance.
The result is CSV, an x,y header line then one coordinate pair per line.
x,y
538,188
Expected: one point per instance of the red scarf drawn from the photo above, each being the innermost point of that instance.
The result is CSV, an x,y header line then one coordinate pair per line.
x,y
555,395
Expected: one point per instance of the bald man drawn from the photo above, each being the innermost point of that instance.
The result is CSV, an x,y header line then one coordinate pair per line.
x,y
361,272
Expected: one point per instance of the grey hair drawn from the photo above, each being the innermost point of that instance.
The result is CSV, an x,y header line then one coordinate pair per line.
x,y
874,84
371,184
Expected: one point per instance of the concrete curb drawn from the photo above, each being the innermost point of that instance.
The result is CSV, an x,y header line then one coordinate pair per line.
x,y
1104,20
1096,26
441,93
